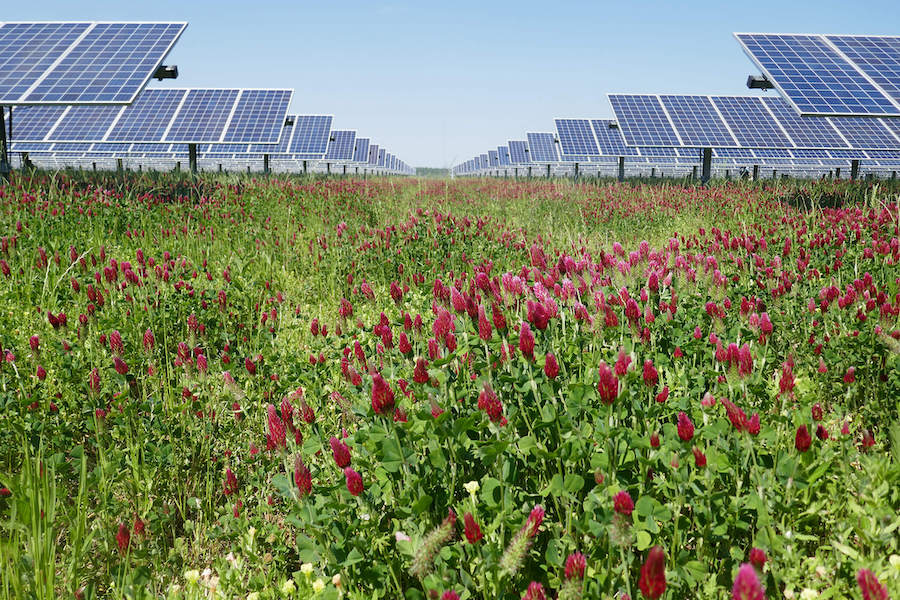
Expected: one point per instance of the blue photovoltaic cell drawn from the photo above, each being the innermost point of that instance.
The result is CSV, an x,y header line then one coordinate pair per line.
x,y
106,147
85,123
893,125
689,153
806,132
518,152
642,120
809,154
110,64
311,134
27,50
735,153
381,156
863,132
658,152
148,117
224,148
815,78
30,146
158,148
493,158
361,152
773,153
750,122
72,147
485,161
259,116
202,115
542,148
877,56
576,138
284,139
373,154
884,154
340,146
697,122
503,155
32,123
610,140
846,154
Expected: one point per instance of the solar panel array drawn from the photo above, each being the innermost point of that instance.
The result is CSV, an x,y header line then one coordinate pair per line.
x,y
80,63
741,122
188,116
830,75
607,144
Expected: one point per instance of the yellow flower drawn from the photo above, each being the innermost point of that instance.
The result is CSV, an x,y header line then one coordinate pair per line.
x,y
318,585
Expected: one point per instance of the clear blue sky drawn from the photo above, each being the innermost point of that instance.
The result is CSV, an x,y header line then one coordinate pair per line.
x,y
438,82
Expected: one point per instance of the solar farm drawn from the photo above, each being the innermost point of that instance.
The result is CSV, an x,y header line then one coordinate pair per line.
x,y
248,352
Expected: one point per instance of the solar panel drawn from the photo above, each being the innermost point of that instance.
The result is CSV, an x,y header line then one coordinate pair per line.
x,y
809,133
503,154
373,154
34,122
576,138
381,156
84,123
311,133
542,148
643,120
340,145
830,75
725,121
750,122
361,153
861,132
518,152
610,140
697,121
493,158
258,116
189,116
80,63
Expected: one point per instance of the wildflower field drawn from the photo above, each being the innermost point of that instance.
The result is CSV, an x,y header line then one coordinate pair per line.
x,y
297,388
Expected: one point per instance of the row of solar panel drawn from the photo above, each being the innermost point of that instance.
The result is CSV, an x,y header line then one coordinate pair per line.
x,y
501,157
740,122
192,116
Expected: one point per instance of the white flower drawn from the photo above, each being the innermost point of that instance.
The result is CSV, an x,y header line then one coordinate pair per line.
x,y
288,588
364,516
472,487
192,575
894,559
336,580
318,585
306,569
401,537
808,594
253,596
